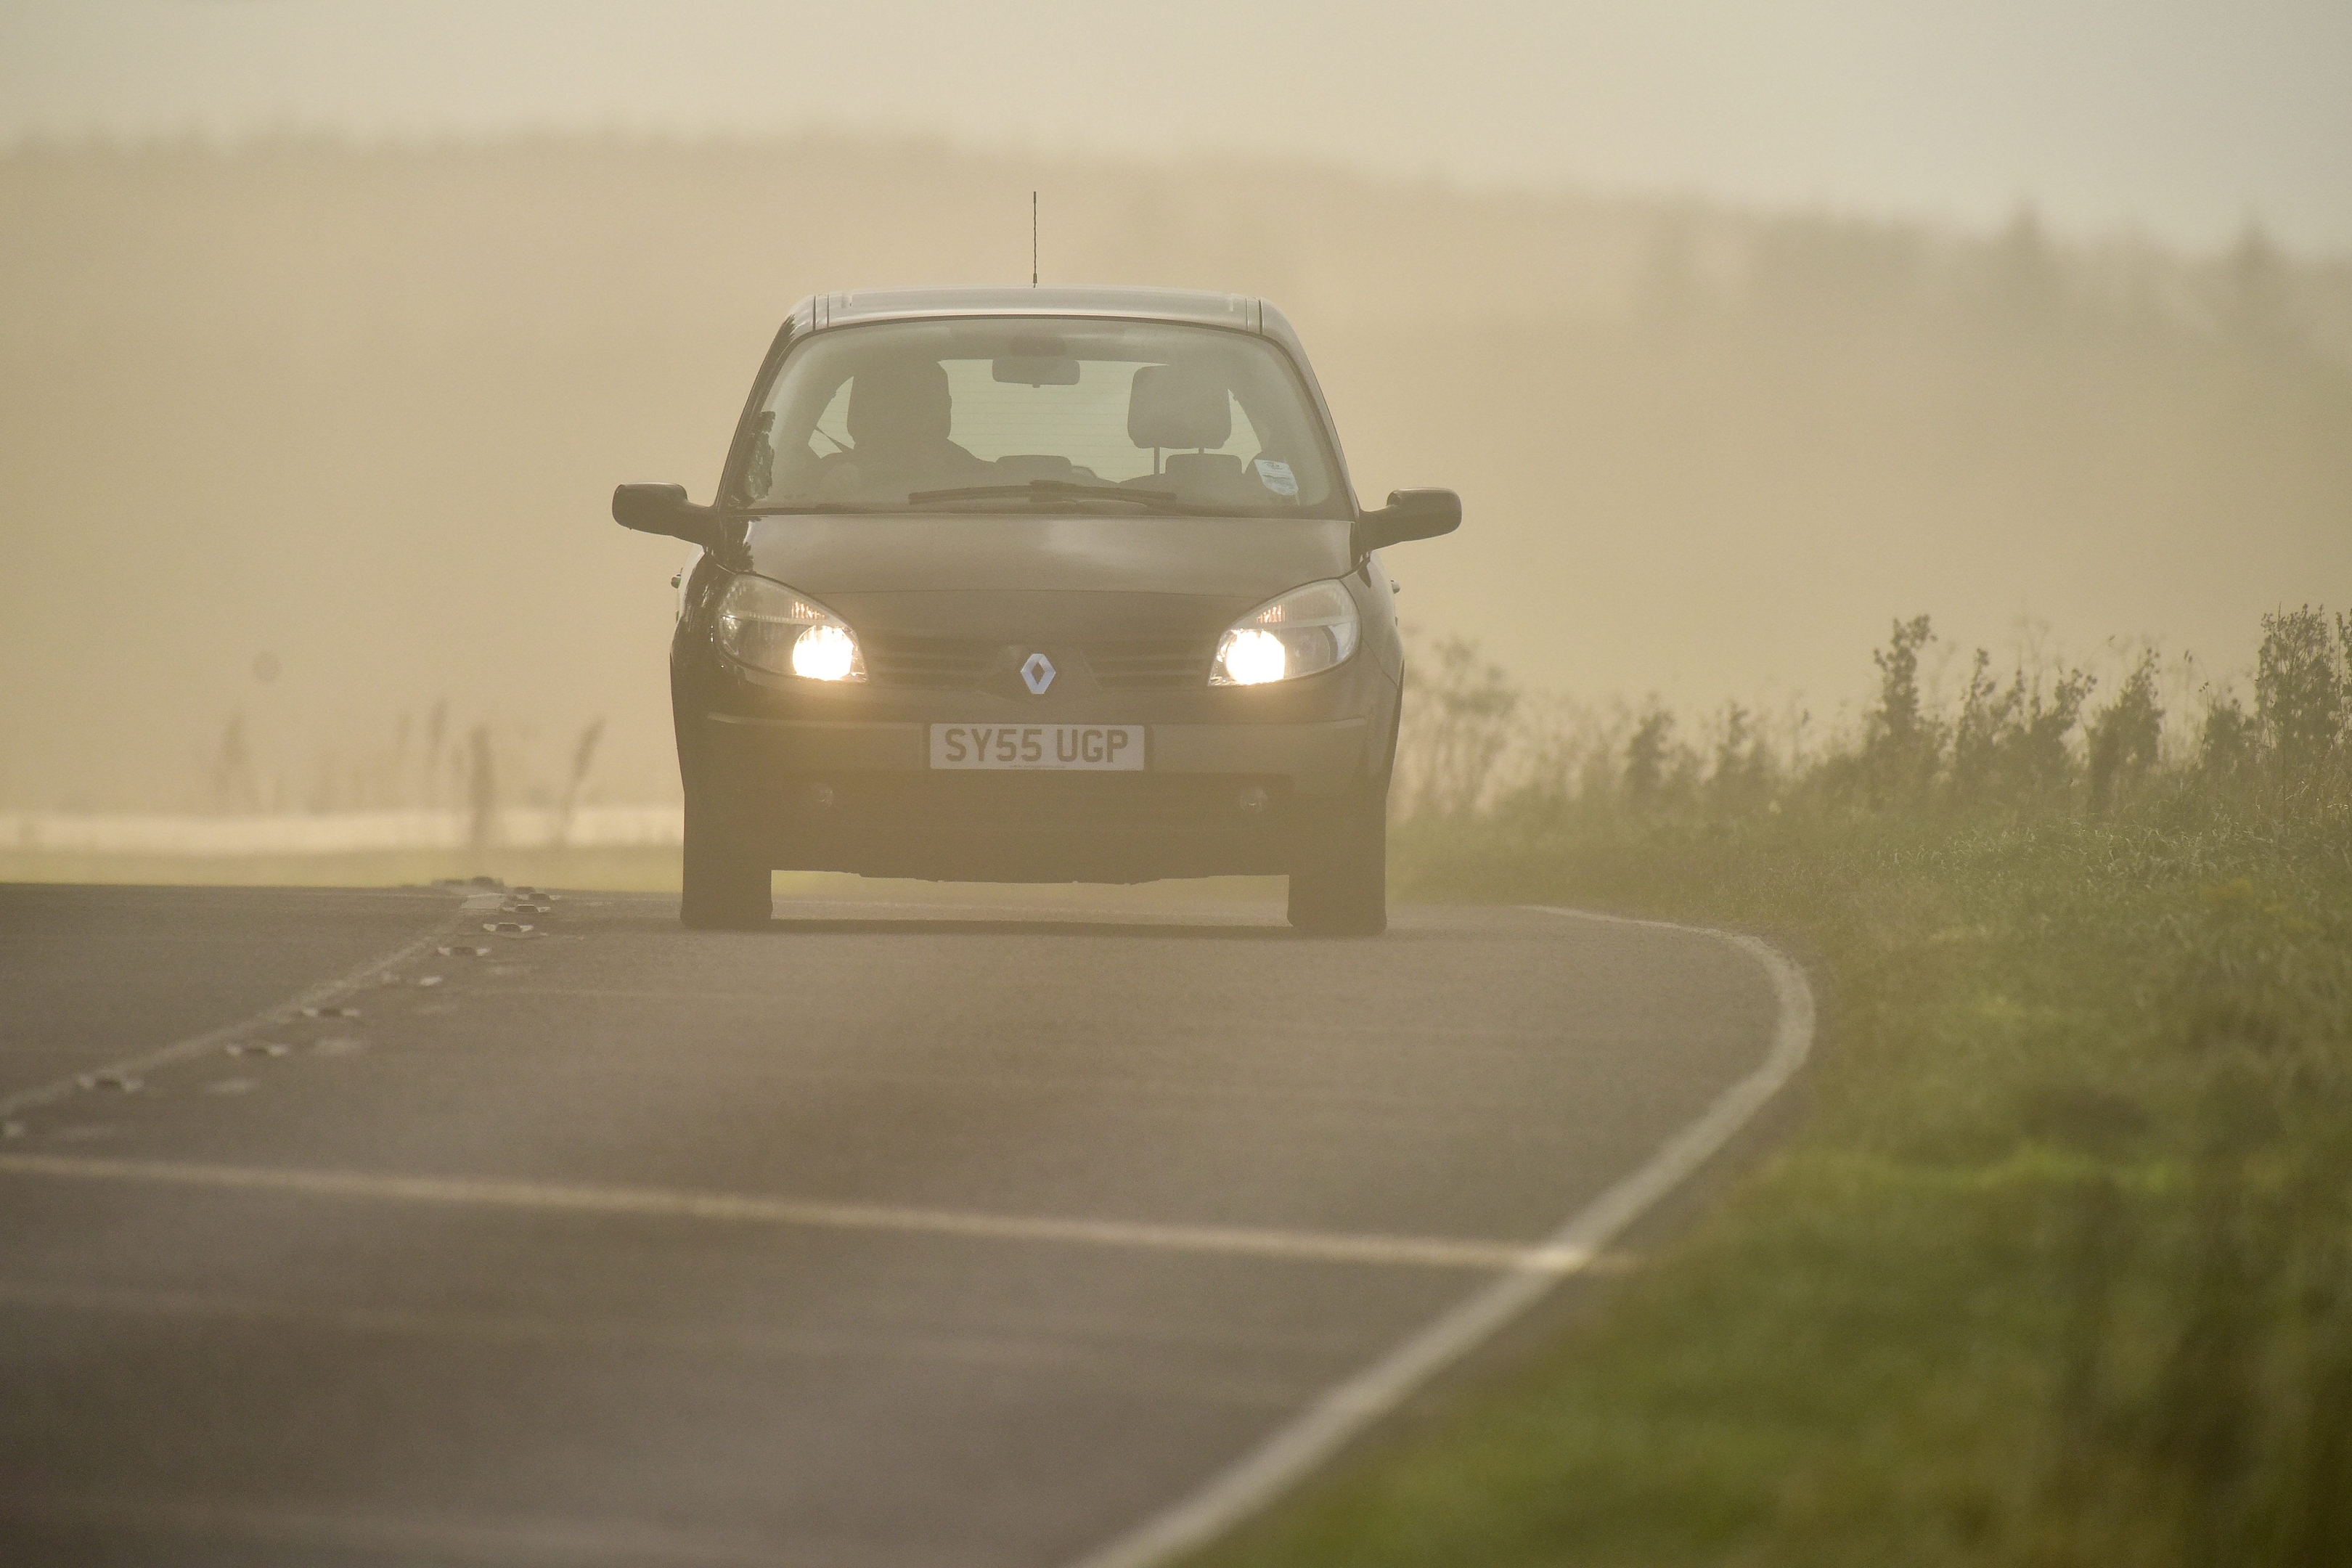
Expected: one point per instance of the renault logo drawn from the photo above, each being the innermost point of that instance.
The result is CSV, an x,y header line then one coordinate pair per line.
x,y
1036,674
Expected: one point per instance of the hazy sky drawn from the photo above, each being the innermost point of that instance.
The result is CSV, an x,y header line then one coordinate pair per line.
x,y
2181,120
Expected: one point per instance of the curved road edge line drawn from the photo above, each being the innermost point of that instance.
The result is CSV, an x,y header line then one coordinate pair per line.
x,y
1287,1457
275,1012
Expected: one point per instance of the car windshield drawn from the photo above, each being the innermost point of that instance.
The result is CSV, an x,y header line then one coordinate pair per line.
x,y
969,415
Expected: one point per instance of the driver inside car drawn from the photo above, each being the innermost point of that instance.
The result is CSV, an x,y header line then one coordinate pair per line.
x,y
899,414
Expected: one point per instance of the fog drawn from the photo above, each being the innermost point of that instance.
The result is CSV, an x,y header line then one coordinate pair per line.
x,y
2175,117
1863,837
318,439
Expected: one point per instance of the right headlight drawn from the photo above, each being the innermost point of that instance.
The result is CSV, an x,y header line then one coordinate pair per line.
x,y
768,626
1304,632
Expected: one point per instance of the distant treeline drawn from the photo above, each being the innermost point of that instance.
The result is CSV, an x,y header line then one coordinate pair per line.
x,y
838,212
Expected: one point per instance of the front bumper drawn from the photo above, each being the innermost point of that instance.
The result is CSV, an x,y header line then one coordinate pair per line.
x,y
854,795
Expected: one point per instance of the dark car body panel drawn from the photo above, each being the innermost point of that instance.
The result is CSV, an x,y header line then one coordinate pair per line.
x,y
1252,558
1128,605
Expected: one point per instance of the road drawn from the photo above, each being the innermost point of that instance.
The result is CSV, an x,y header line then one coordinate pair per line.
x,y
999,1229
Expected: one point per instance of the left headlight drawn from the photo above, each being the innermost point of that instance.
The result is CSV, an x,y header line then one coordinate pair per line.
x,y
1305,632
768,626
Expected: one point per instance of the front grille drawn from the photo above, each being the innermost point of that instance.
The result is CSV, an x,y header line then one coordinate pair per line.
x,y
1161,665
944,664
960,664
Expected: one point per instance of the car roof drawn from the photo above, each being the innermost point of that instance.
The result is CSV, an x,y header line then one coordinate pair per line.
x,y
1239,312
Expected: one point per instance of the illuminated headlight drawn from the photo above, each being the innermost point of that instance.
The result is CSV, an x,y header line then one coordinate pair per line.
x,y
1306,631
768,626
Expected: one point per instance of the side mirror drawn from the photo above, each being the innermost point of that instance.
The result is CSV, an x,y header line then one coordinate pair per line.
x,y
664,510
1410,514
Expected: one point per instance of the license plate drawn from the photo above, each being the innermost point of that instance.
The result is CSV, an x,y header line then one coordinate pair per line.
x,y
1109,748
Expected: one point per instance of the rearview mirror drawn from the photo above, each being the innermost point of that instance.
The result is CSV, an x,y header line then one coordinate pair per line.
x,y
1410,514
664,510
1034,369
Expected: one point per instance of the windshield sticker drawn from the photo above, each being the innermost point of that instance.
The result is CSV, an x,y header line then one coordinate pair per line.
x,y
1277,477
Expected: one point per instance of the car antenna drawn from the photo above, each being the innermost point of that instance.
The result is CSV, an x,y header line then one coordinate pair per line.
x,y
1033,239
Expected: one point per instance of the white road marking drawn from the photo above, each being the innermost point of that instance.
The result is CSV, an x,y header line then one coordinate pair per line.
x,y
1295,1450
275,1015
1546,1259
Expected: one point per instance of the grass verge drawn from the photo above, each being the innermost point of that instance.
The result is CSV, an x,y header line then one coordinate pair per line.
x,y
2057,1269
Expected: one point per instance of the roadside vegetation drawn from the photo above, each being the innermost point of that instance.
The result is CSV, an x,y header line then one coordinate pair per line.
x,y
2056,1270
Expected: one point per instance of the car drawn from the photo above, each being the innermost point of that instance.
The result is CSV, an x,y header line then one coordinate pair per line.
x,y
1036,584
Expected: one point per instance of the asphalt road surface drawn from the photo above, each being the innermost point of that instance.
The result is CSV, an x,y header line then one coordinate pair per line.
x,y
985,1231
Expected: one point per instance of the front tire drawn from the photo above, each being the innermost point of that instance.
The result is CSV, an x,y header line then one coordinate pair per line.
x,y
1340,886
726,887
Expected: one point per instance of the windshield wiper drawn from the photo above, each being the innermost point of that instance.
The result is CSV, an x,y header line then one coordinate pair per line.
x,y
1053,490
809,506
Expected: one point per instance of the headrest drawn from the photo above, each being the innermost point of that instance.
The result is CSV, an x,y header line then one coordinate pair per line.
x,y
1177,406
1218,470
900,401
1207,475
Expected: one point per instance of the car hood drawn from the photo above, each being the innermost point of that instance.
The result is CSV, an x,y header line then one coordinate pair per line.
x,y
1223,558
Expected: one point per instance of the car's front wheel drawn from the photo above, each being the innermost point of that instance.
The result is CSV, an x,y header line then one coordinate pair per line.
x,y
725,885
1340,885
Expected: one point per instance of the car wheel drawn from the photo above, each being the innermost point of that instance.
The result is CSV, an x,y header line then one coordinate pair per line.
x,y
725,885
1340,886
